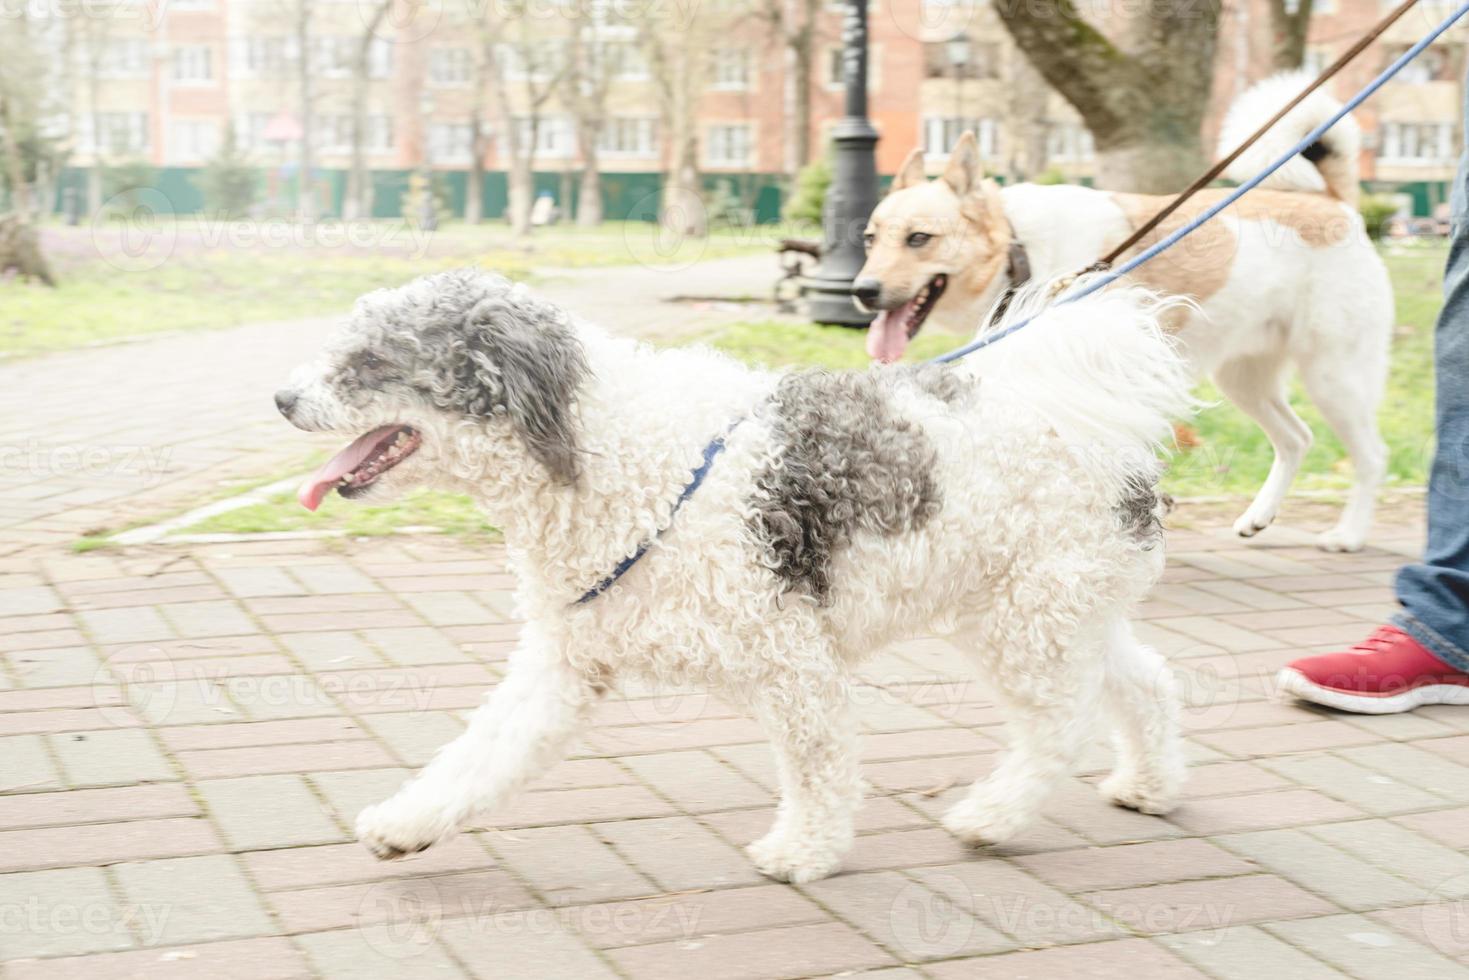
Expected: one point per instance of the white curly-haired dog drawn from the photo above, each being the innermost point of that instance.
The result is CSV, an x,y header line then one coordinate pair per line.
x,y
1006,503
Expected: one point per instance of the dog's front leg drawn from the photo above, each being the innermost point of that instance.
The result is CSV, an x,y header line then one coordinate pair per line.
x,y
808,718
521,730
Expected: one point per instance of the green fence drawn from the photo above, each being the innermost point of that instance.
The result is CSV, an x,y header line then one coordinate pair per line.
x,y
625,196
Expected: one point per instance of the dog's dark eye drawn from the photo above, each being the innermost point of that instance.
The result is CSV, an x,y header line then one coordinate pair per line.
x,y
867,239
919,239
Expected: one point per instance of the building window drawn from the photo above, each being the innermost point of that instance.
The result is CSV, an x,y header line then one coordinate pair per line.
x,y
262,57
125,58
450,67
1315,59
628,136
962,58
193,140
625,61
532,61
450,142
333,133
115,133
940,133
731,69
1435,64
1069,142
836,74
728,145
193,64
554,137
1418,143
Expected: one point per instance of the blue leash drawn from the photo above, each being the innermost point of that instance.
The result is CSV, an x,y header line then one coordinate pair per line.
x,y
716,446
1106,279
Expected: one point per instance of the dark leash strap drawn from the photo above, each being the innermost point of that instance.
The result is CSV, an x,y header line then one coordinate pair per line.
x,y
711,452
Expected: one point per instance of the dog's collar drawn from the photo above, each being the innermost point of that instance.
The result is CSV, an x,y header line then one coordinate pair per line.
x,y
711,451
1017,272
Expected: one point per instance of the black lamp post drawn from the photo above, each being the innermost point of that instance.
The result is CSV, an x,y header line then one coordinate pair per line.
x,y
853,191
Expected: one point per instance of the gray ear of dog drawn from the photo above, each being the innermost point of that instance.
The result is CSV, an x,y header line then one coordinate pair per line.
x,y
964,172
911,173
524,361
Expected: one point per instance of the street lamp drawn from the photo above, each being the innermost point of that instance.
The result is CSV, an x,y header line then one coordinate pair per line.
x,y
853,191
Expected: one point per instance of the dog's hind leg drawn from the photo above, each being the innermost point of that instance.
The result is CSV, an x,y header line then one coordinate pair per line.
x,y
1141,699
807,715
1347,386
1257,386
1050,721
522,729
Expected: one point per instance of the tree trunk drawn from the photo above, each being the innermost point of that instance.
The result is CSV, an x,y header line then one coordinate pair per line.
x,y
306,197
801,50
474,205
1145,106
1288,33
682,210
589,201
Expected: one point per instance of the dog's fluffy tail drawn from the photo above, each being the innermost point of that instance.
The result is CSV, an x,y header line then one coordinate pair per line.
x,y
1100,370
1329,165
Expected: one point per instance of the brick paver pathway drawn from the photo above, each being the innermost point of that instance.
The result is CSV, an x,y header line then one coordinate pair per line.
x,y
187,733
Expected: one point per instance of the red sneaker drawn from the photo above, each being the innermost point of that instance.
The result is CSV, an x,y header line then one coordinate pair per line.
x,y
1386,673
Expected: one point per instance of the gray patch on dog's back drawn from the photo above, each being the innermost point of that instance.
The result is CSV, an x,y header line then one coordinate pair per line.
x,y
939,381
845,462
1141,510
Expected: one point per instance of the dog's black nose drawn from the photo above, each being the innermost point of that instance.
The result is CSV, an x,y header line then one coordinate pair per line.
x,y
867,290
285,400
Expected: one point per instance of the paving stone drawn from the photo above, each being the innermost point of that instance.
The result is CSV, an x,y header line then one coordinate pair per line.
x,y
58,667
1124,959
154,801
221,618
1399,851
1247,953
255,812
110,758
25,765
206,898
348,793
1259,811
696,781
332,578
53,913
797,951
331,650
1021,907
414,737
690,915
1416,767
906,917
522,944
1366,789
417,645
290,732
244,760
571,865
1449,827
1331,873
1212,904
1131,865
253,582
1362,948
402,901
264,958
678,853
104,843
592,805
395,951
136,624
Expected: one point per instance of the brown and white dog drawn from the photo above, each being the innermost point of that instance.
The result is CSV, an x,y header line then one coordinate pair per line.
x,y
1285,276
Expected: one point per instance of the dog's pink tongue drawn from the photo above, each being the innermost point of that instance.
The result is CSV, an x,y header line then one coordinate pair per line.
x,y
887,337
320,483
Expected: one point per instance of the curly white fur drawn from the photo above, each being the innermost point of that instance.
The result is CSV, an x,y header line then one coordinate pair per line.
x,y
1026,566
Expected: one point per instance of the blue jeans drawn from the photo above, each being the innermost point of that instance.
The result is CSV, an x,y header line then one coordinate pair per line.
x,y
1435,592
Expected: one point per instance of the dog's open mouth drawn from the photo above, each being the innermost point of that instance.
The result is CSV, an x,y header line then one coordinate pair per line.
x,y
889,334
357,467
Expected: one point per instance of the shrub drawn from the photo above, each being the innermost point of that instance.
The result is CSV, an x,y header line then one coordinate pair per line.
x,y
228,182
1376,210
809,197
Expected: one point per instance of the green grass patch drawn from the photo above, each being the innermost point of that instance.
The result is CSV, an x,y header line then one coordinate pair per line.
x,y
445,512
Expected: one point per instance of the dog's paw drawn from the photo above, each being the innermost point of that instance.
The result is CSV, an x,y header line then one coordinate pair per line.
x,y
393,829
1132,791
793,861
1253,521
1339,540
981,825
